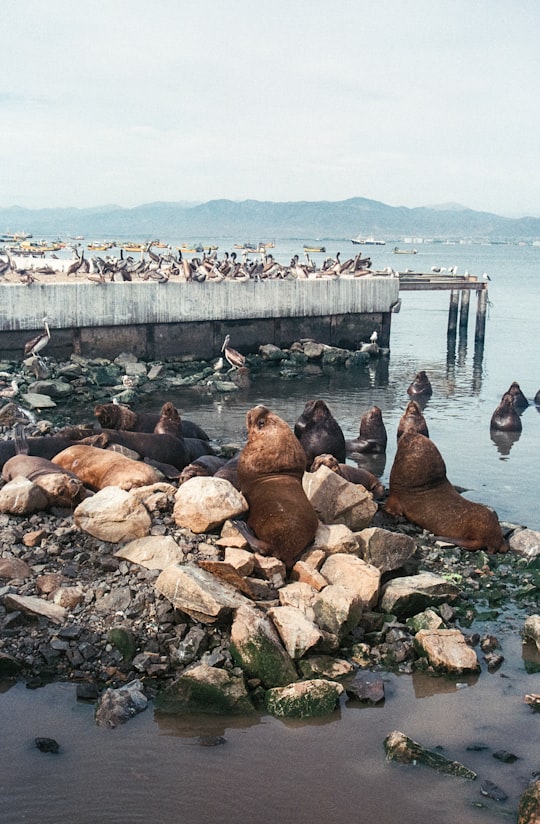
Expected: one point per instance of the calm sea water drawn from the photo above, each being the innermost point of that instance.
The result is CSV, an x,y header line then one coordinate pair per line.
x,y
154,769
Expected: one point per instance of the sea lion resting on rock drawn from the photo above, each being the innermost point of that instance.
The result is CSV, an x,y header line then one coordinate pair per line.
x,y
353,474
412,420
61,486
319,432
119,416
420,491
205,466
421,386
270,471
98,468
372,435
505,418
42,446
167,449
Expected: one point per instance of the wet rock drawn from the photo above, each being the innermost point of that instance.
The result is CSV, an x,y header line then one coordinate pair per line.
x,y
337,501
531,629
529,805
533,701
257,648
324,666
360,578
446,650
116,706
21,497
208,690
9,666
36,607
113,515
429,619
198,593
297,632
493,660
152,552
270,352
413,593
505,756
384,549
491,790
399,747
47,745
305,699
124,640
204,503
366,686
192,645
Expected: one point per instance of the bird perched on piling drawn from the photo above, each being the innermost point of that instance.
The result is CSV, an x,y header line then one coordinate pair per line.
x,y
235,359
35,345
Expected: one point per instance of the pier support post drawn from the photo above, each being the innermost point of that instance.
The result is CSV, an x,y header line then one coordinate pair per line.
x,y
464,311
481,307
453,312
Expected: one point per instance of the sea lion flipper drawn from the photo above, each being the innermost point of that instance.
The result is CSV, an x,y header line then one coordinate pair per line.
x,y
256,544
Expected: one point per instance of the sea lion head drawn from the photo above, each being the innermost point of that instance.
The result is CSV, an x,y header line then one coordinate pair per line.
x,y
272,447
325,460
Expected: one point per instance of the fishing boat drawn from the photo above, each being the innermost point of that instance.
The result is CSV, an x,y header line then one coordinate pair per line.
x,y
314,248
100,246
134,247
368,241
398,251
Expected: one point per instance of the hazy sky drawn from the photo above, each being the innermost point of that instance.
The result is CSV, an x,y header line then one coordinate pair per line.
x,y
411,102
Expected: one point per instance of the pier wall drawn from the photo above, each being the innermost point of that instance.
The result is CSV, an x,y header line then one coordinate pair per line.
x,y
190,320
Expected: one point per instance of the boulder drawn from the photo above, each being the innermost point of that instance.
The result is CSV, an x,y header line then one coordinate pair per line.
x,y
384,549
446,650
14,568
331,538
257,648
337,609
306,699
21,497
205,689
113,515
525,542
152,552
410,594
337,501
324,666
36,607
205,503
297,632
197,592
116,706
531,629
300,595
529,805
355,575
399,747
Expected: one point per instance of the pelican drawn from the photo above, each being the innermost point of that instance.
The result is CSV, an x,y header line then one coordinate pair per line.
x,y
35,345
231,355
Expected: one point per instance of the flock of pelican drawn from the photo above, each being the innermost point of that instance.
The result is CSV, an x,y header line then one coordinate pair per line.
x,y
163,267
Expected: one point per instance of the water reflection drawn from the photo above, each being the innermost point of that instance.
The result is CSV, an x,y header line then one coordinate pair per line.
x,y
504,441
202,727
425,685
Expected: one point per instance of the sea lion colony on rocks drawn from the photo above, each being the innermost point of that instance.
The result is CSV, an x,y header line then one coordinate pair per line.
x,y
157,583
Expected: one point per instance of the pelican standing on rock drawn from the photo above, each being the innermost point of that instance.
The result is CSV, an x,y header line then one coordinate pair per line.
x,y
231,355
35,345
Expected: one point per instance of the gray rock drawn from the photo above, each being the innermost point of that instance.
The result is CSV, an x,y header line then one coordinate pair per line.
x,y
399,747
116,706
305,699
208,690
406,596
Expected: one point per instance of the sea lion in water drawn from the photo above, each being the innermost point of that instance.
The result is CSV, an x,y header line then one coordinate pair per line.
x,y
319,432
119,416
519,399
412,420
62,487
420,491
270,471
421,386
372,435
353,474
537,398
505,418
98,468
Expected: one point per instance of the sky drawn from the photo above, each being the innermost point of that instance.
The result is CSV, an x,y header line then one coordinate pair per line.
x,y
409,102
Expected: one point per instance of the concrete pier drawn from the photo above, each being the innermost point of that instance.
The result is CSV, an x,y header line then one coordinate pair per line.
x,y
190,320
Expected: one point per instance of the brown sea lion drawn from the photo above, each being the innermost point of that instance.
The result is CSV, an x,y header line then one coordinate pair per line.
x,y
372,435
43,446
98,468
270,471
353,474
412,420
166,449
537,398
119,416
319,432
420,491
61,486
519,399
204,466
421,386
505,418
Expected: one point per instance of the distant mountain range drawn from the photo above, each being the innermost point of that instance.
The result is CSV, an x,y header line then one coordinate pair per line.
x,y
262,220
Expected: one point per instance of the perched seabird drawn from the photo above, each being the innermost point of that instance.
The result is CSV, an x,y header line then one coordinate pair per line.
x,y
35,345
374,336
231,355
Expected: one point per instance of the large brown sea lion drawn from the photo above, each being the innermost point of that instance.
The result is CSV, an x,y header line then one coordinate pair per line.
x,y
505,418
412,420
270,470
119,416
353,474
205,466
372,435
62,487
165,449
421,386
519,399
421,492
98,468
319,432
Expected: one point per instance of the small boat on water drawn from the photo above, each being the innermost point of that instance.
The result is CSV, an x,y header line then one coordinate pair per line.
x,y
100,246
398,251
314,248
368,241
134,247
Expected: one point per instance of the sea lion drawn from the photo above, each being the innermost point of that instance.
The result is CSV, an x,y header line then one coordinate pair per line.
x,y
166,449
62,487
420,386
319,432
270,471
353,474
420,491
98,468
120,416
412,420
372,435
204,466
505,418
519,399
43,446
537,398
